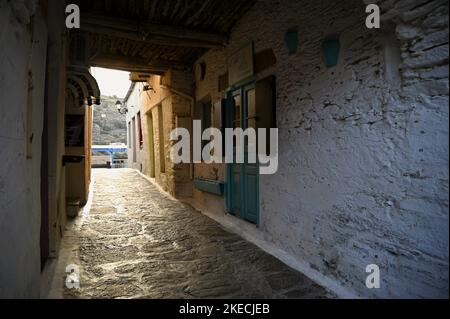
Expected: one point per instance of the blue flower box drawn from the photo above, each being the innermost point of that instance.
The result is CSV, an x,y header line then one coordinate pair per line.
x,y
209,186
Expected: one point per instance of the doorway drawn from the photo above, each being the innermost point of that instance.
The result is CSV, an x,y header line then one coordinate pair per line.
x,y
243,178
151,148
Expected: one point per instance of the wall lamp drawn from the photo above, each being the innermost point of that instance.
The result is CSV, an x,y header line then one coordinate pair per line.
x,y
121,108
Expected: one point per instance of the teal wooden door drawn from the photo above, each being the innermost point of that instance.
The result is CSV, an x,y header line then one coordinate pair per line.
x,y
242,186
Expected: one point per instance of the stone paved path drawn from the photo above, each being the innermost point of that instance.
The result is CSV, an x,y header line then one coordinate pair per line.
x,y
136,242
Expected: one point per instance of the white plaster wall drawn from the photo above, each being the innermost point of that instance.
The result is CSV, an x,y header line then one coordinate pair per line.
x,y
19,176
134,106
56,96
363,148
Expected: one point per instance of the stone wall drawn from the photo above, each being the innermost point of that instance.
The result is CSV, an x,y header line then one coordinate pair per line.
x,y
170,94
363,146
55,83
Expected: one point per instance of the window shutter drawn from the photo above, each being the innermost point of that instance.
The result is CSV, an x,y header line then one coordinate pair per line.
x,y
265,103
265,108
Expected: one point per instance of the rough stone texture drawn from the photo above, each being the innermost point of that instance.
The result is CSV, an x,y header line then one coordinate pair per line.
x,y
174,100
363,146
147,245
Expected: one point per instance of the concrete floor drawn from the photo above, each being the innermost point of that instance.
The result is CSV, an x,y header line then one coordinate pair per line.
x,y
133,241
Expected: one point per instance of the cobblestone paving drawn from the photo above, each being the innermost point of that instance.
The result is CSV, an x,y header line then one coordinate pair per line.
x,y
136,242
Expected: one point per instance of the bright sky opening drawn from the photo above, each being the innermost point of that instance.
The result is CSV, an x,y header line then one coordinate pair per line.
x,y
112,82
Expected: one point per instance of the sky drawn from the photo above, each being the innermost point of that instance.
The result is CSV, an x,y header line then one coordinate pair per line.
x,y
112,82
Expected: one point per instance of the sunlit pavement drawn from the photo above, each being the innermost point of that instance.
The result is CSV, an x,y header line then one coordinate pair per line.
x,y
137,242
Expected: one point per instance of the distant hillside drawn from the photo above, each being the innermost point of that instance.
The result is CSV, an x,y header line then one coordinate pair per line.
x,y
112,127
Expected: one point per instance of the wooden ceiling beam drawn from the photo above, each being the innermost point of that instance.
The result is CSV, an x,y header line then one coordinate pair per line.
x,y
134,64
150,33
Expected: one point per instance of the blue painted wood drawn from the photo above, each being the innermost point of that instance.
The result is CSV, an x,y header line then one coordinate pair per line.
x,y
250,185
330,51
229,173
238,86
209,186
236,189
251,188
291,40
242,187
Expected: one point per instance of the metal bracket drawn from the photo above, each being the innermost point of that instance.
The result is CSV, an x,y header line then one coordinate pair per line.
x,y
73,159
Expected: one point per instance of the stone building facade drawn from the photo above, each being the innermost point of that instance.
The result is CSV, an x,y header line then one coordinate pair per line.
x,y
156,107
363,144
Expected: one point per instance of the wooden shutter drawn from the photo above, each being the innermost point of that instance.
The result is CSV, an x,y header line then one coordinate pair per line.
x,y
265,108
265,103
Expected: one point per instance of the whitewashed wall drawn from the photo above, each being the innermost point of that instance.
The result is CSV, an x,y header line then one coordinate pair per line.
x,y
363,152
20,205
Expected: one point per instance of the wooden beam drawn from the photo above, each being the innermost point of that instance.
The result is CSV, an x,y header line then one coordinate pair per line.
x,y
150,33
198,12
133,64
139,76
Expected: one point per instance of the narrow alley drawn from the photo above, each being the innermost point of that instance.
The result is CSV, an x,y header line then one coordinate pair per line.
x,y
224,149
144,244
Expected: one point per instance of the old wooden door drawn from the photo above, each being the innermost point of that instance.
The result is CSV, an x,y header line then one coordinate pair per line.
x,y
242,186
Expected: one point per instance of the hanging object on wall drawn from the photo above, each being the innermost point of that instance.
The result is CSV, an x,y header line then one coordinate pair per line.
x,y
291,39
330,51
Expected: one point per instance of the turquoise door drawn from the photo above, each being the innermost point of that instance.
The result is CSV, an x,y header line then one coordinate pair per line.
x,y
242,186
